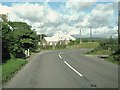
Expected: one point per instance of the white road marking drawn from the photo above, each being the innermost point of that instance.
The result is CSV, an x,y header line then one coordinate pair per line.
x,y
60,57
61,52
73,68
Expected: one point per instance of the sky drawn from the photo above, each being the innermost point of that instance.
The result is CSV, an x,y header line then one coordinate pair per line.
x,y
50,17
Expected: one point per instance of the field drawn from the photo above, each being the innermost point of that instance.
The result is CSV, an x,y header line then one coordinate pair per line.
x,y
85,45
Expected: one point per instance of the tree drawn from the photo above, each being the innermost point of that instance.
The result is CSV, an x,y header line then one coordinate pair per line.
x,y
18,40
6,37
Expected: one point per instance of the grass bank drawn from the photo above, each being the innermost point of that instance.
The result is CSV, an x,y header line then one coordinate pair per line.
x,y
10,68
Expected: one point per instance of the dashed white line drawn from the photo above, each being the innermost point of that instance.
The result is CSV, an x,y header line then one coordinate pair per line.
x,y
60,57
73,68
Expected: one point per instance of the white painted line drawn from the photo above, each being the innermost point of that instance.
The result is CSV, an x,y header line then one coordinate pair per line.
x,y
73,68
61,52
60,57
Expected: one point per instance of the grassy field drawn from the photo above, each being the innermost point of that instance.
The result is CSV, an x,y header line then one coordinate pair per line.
x,y
85,45
10,68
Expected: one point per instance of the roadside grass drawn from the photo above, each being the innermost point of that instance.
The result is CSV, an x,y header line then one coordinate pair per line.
x,y
74,46
113,59
85,45
103,52
10,68
99,52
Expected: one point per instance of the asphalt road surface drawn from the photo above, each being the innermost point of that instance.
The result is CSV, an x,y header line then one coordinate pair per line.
x,y
66,69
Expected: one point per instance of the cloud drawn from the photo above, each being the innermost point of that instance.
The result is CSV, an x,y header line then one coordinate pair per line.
x,y
105,32
49,21
78,5
38,16
28,11
4,9
101,15
52,16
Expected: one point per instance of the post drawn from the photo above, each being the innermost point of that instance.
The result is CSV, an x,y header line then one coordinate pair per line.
x,y
40,42
28,52
118,29
80,36
91,33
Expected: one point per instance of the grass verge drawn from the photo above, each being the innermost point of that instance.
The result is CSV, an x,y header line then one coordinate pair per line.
x,y
10,68
99,52
111,58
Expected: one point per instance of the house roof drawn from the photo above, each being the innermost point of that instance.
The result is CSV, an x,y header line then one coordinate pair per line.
x,y
59,36
49,39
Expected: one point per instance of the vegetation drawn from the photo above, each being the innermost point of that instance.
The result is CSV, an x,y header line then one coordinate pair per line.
x,y
11,67
16,38
107,47
101,46
16,41
86,43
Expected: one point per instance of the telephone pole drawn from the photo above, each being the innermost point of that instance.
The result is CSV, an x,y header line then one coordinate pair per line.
x,y
118,28
91,33
80,36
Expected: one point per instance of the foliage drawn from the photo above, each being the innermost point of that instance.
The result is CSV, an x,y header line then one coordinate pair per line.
x,y
108,47
114,58
60,46
76,44
99,52
89,44
9,68
18,40
110,44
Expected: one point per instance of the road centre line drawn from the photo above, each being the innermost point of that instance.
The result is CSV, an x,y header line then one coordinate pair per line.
x,y
60,57
73,68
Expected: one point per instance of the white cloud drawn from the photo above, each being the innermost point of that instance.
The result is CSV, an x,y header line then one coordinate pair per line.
x,y
29,11
4,9
48,21
102,14
79,4
52,16
105,32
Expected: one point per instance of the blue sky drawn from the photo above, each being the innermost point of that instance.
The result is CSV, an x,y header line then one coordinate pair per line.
x,y
65,16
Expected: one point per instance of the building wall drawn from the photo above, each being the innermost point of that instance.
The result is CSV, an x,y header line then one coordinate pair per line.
x,y
52,43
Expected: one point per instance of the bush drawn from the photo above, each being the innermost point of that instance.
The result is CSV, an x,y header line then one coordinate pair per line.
x,y
49,47
114,58
60,46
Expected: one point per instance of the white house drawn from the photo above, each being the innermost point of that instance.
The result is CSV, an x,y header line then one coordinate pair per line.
x,y
59,37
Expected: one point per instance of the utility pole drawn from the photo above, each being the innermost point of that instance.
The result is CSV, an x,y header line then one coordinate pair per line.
x,y
41,40
91,33
118,28
80,36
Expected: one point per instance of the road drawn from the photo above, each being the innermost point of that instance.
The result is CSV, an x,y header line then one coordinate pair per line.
x,y
66,69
